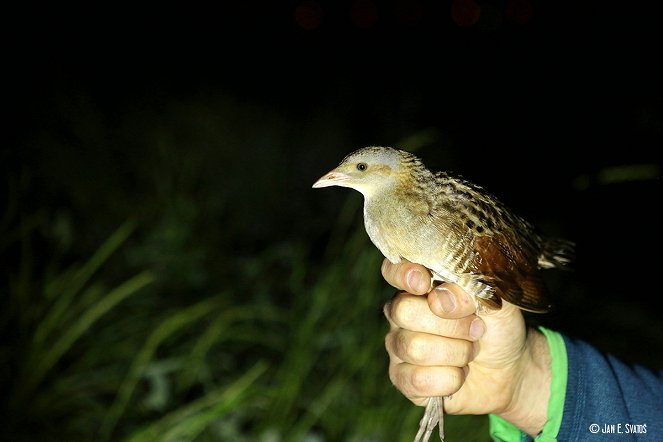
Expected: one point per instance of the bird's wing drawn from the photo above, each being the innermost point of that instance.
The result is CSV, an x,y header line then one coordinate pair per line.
x,y
510,267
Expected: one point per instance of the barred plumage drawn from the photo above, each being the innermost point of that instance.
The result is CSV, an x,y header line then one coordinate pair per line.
x,y
455,228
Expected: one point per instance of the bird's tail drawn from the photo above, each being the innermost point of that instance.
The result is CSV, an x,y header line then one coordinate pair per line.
x,y
556,253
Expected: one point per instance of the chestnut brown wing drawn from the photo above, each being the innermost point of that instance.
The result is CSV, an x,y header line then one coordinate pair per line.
x,y
509,265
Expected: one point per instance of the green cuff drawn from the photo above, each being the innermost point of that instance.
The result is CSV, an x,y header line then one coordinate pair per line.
x,y
503,431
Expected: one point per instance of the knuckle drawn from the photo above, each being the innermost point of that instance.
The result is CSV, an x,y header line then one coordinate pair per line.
x,y
460,352
389,340
395,376
429,381
404,309
455,380
387,310
399,378
421,381
417,348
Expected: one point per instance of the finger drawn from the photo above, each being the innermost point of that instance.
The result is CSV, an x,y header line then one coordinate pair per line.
x,y
413,278
426,349
412,312
415,381
387,314
450,301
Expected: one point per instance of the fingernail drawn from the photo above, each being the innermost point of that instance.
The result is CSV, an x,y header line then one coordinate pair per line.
x,y
414,279
446,300
477,329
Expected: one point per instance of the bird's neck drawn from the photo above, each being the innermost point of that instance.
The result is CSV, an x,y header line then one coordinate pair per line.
x,y
393,215
409,191
407,194
416,175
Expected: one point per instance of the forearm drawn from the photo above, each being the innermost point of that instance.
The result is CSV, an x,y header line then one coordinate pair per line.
x,y
604,395
610,398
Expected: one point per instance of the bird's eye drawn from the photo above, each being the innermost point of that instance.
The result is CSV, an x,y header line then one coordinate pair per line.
x,y
362,166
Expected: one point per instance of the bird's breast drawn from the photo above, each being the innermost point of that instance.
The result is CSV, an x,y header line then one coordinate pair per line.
x,y
400,231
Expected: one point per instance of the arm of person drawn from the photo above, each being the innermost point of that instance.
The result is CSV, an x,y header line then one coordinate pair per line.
x,y
609,399
532,382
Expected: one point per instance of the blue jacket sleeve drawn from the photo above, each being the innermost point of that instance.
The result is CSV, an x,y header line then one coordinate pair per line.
x,y
609,400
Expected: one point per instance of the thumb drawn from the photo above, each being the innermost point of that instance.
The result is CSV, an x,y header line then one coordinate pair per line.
x,y
505,335
449,301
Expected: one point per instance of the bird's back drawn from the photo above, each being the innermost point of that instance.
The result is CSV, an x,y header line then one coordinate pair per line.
x,y
463,235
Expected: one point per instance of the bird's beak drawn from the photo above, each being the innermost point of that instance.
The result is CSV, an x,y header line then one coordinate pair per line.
x,y
333,178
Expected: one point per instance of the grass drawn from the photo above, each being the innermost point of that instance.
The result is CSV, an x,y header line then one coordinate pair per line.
x,y
224,311
214,314
97,360
171,328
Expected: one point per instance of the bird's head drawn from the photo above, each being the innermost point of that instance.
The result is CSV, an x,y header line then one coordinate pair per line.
x,y
370,170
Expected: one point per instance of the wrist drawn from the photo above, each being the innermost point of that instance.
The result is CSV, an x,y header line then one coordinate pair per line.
x,y
528,409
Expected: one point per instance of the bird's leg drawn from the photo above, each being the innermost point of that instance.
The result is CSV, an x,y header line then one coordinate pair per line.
x,y
434,415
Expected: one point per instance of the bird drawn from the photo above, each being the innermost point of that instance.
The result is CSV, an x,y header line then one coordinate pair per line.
x,y
453,227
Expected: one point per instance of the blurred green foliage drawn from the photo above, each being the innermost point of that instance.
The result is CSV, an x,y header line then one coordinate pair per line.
x,y
171,276
96,362
188,322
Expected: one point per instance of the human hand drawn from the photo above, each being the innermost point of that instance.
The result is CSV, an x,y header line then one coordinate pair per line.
x,y
438,346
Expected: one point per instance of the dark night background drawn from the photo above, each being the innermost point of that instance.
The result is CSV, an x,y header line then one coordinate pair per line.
x,y
203,128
